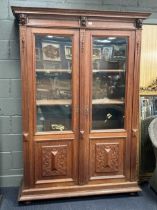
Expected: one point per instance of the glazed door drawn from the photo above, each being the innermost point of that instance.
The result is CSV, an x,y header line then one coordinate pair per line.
x,y
55,105
107,106
81,107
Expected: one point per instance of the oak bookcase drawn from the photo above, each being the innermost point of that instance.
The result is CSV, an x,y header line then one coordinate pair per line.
x,y
80,90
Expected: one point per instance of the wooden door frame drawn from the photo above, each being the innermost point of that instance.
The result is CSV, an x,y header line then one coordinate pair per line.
x,y
39,137
125,133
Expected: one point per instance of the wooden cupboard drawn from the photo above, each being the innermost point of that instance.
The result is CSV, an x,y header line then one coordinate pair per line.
x,y
80,76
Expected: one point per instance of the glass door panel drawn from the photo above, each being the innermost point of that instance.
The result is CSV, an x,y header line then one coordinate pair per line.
x,y
109,61
53,82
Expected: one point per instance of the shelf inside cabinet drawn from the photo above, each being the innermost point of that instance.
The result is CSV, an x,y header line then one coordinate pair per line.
x,y
50,102
108,70
107,101
53,70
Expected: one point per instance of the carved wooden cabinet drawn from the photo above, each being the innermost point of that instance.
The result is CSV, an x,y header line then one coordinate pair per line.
x,y
80,75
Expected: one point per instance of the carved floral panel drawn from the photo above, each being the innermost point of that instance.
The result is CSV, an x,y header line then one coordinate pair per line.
x,y
106,157
54,160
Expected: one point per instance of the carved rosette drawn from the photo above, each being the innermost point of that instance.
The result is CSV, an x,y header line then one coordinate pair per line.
x,y
106,157
54,160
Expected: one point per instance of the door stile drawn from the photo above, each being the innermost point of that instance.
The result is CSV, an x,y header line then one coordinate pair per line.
x,y
129,101
30,64
135,112
25,108
75,102
84,108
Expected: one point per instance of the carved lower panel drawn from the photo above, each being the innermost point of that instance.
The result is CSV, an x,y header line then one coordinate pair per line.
x,y
106,157
54,160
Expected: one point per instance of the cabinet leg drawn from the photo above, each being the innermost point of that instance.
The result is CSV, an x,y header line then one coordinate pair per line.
x,y
1,197
27,202
134,193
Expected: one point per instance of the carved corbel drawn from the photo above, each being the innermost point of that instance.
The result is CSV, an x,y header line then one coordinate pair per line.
x,y
83,21
139,23
22,19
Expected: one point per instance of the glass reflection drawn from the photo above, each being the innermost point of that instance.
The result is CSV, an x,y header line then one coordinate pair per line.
x,y
53,82
109,61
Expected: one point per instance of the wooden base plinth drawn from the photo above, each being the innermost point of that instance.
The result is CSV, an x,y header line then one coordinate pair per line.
x,y
76,191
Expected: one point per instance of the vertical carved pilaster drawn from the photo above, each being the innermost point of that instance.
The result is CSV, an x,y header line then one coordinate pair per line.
x,y
82,39
22,40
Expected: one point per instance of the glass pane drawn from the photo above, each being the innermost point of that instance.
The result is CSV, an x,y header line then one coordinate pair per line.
x,y
53,82
109,61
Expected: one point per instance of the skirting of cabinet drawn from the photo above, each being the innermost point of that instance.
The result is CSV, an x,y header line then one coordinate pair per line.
x,y
75,191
